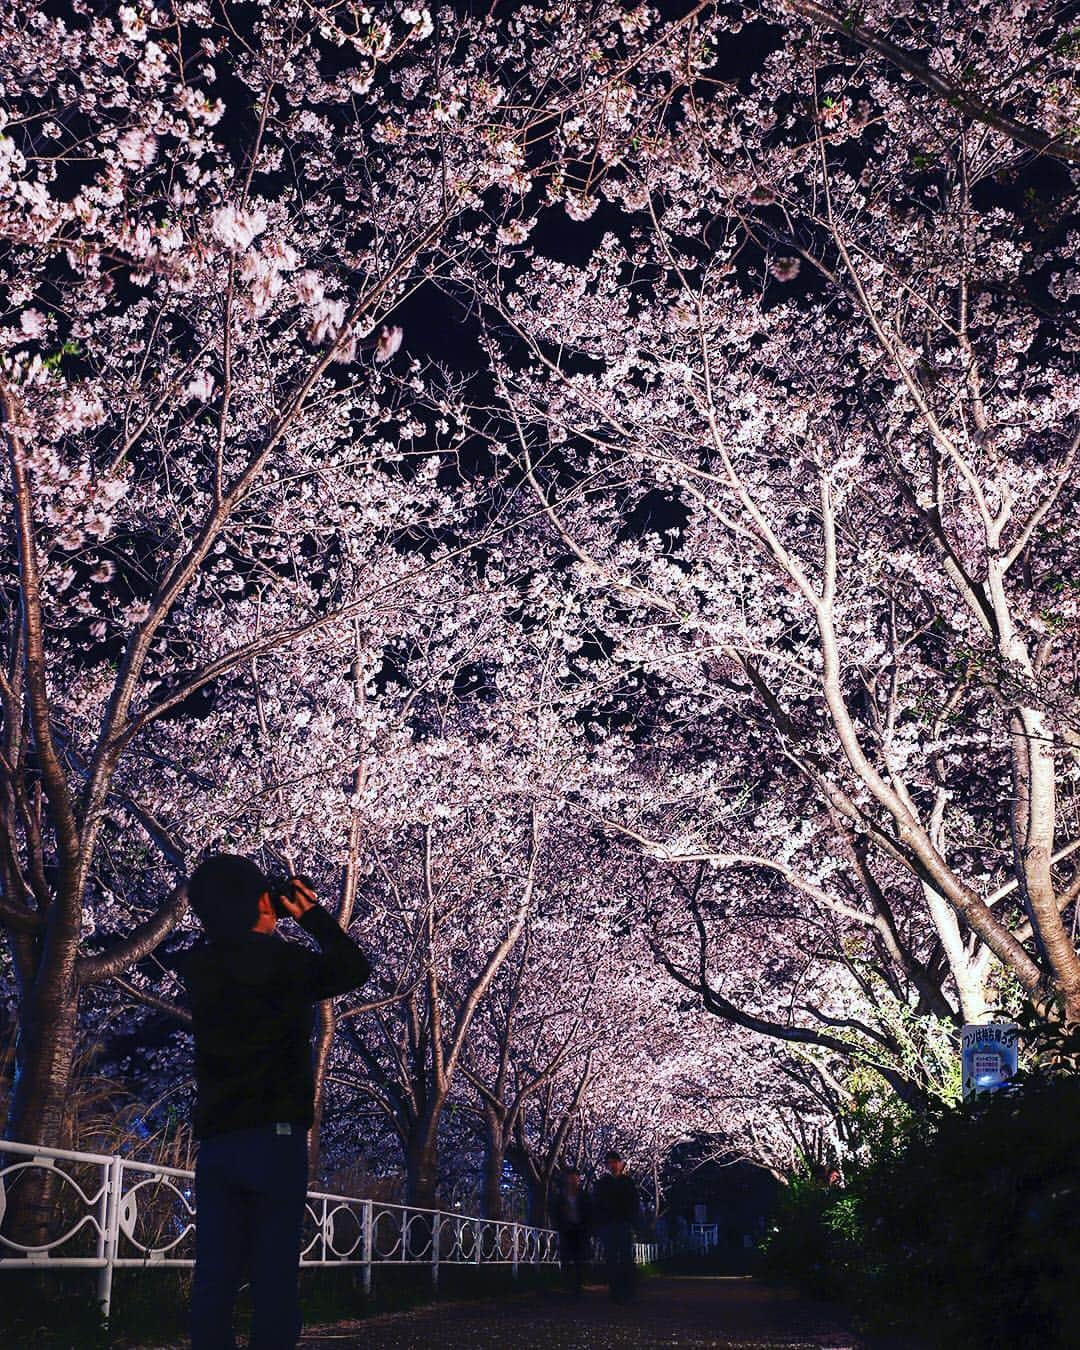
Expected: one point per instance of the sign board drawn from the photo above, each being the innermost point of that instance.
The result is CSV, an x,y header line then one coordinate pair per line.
x,y
987,1056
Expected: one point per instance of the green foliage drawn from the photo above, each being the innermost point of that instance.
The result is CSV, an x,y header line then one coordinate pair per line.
x,y
972,1238
874,1122
804,1247
961,1227
54,360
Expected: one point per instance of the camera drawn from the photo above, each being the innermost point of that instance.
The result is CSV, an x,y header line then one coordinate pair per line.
x,y
280,887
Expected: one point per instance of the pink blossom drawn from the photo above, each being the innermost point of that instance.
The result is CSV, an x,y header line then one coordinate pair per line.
x,y
154,64
170,237
388,342
132,24
32,323
138,147
197,105
345,352
309,288
579,206
79,410
280,254
836,111
110,491
201,388
327,318
71,536
237,228
515,231
785,269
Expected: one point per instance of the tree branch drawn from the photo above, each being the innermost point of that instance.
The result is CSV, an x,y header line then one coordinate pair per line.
x,y
139,943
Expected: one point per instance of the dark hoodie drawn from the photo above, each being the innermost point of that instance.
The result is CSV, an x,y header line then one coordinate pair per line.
x,y
251,1000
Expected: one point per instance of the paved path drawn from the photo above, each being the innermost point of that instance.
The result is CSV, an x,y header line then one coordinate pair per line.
x,y
669,1311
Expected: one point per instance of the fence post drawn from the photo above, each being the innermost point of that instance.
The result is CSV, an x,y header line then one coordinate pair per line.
x,y
436,1234
368,1244
515,1251
109,1219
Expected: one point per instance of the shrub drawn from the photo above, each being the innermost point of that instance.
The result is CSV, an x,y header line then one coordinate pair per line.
x,y
966,1237
972,1237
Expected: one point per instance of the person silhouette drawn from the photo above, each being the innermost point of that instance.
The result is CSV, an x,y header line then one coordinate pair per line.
x,y
571,1214
616,1213
252,995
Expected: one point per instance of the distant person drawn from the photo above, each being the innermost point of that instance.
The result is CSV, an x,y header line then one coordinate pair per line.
x,y
572,1220
251,996
616,1213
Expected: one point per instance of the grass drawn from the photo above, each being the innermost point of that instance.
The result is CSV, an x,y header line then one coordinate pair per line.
x,y
57,1311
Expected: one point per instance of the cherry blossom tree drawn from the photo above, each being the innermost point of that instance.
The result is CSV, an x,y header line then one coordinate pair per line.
x,y
206,231
823,347
445,763
411,1054
700,669
532,1027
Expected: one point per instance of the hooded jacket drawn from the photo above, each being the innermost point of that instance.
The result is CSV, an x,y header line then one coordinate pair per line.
x,y
252,999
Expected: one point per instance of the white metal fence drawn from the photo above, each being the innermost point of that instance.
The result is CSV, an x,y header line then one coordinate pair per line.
x,y
110,1213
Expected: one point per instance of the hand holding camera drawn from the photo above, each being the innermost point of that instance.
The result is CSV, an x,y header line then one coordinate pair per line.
x,y
291,896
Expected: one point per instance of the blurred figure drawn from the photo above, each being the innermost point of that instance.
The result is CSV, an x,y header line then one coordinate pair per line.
x,y
616,1214
571,1214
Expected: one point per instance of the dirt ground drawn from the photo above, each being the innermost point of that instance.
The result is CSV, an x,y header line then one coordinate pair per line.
x,y
668,1311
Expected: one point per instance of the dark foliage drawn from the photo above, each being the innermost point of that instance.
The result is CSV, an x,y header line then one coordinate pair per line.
x,y
968,1237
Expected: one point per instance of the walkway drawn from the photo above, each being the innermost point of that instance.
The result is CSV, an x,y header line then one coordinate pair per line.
x,y
721,1313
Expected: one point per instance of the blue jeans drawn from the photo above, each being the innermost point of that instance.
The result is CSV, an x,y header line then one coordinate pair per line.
x,y
249,1201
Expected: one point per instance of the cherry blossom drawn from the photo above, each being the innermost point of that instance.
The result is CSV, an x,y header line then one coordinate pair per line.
x,y
681,705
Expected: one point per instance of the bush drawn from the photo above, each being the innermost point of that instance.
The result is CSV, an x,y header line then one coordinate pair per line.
x,y
804,1247
968,1237
977,1228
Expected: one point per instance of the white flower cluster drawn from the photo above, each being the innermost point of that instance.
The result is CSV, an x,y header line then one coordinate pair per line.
x,y
515,231
579,206
235,227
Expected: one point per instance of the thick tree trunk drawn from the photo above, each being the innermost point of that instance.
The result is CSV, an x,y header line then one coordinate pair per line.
x,y
43,1063
422,1165
37,1112
494,1158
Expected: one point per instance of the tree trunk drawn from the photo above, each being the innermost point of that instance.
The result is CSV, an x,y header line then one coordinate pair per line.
x,y
44,1059
539,1211
494,1158
422,1165
324,1040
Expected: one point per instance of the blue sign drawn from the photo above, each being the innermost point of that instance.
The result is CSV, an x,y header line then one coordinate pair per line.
x,y
987,1056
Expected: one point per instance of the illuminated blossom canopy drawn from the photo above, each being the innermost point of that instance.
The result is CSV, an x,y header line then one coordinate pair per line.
x,y
596,493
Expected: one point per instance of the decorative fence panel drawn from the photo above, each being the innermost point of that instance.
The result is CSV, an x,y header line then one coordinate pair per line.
x,y
106,1213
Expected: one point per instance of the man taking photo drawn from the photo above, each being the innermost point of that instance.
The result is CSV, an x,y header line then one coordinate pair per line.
x,y
252,995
